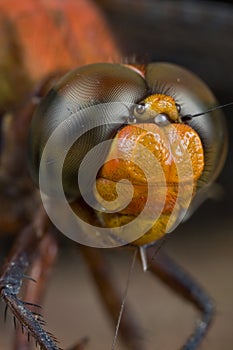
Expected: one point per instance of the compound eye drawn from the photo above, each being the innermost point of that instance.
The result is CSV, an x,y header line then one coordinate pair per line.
x,y
178,107
161,119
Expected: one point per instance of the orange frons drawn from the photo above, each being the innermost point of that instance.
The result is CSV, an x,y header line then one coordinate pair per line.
x,y
176,145
180,161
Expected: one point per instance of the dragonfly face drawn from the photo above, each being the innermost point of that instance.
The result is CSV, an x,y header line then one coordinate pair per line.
x,y
189,155
148,126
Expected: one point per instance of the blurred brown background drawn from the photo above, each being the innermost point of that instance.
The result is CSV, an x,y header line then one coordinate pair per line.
x,y
198,35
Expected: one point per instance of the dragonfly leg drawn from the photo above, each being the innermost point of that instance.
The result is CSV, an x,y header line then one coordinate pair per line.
x,y
129,331
180,281
25,253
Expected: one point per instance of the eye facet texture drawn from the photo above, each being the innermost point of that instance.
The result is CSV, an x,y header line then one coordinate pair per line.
x,y
74,101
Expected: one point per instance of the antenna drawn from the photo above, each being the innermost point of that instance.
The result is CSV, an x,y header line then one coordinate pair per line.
x,y
188,117
124,300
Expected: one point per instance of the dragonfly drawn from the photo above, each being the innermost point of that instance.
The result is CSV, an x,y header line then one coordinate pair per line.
x,y
40,72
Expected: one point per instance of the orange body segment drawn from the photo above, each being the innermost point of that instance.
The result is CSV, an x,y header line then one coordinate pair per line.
x,y
40,37
57,34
